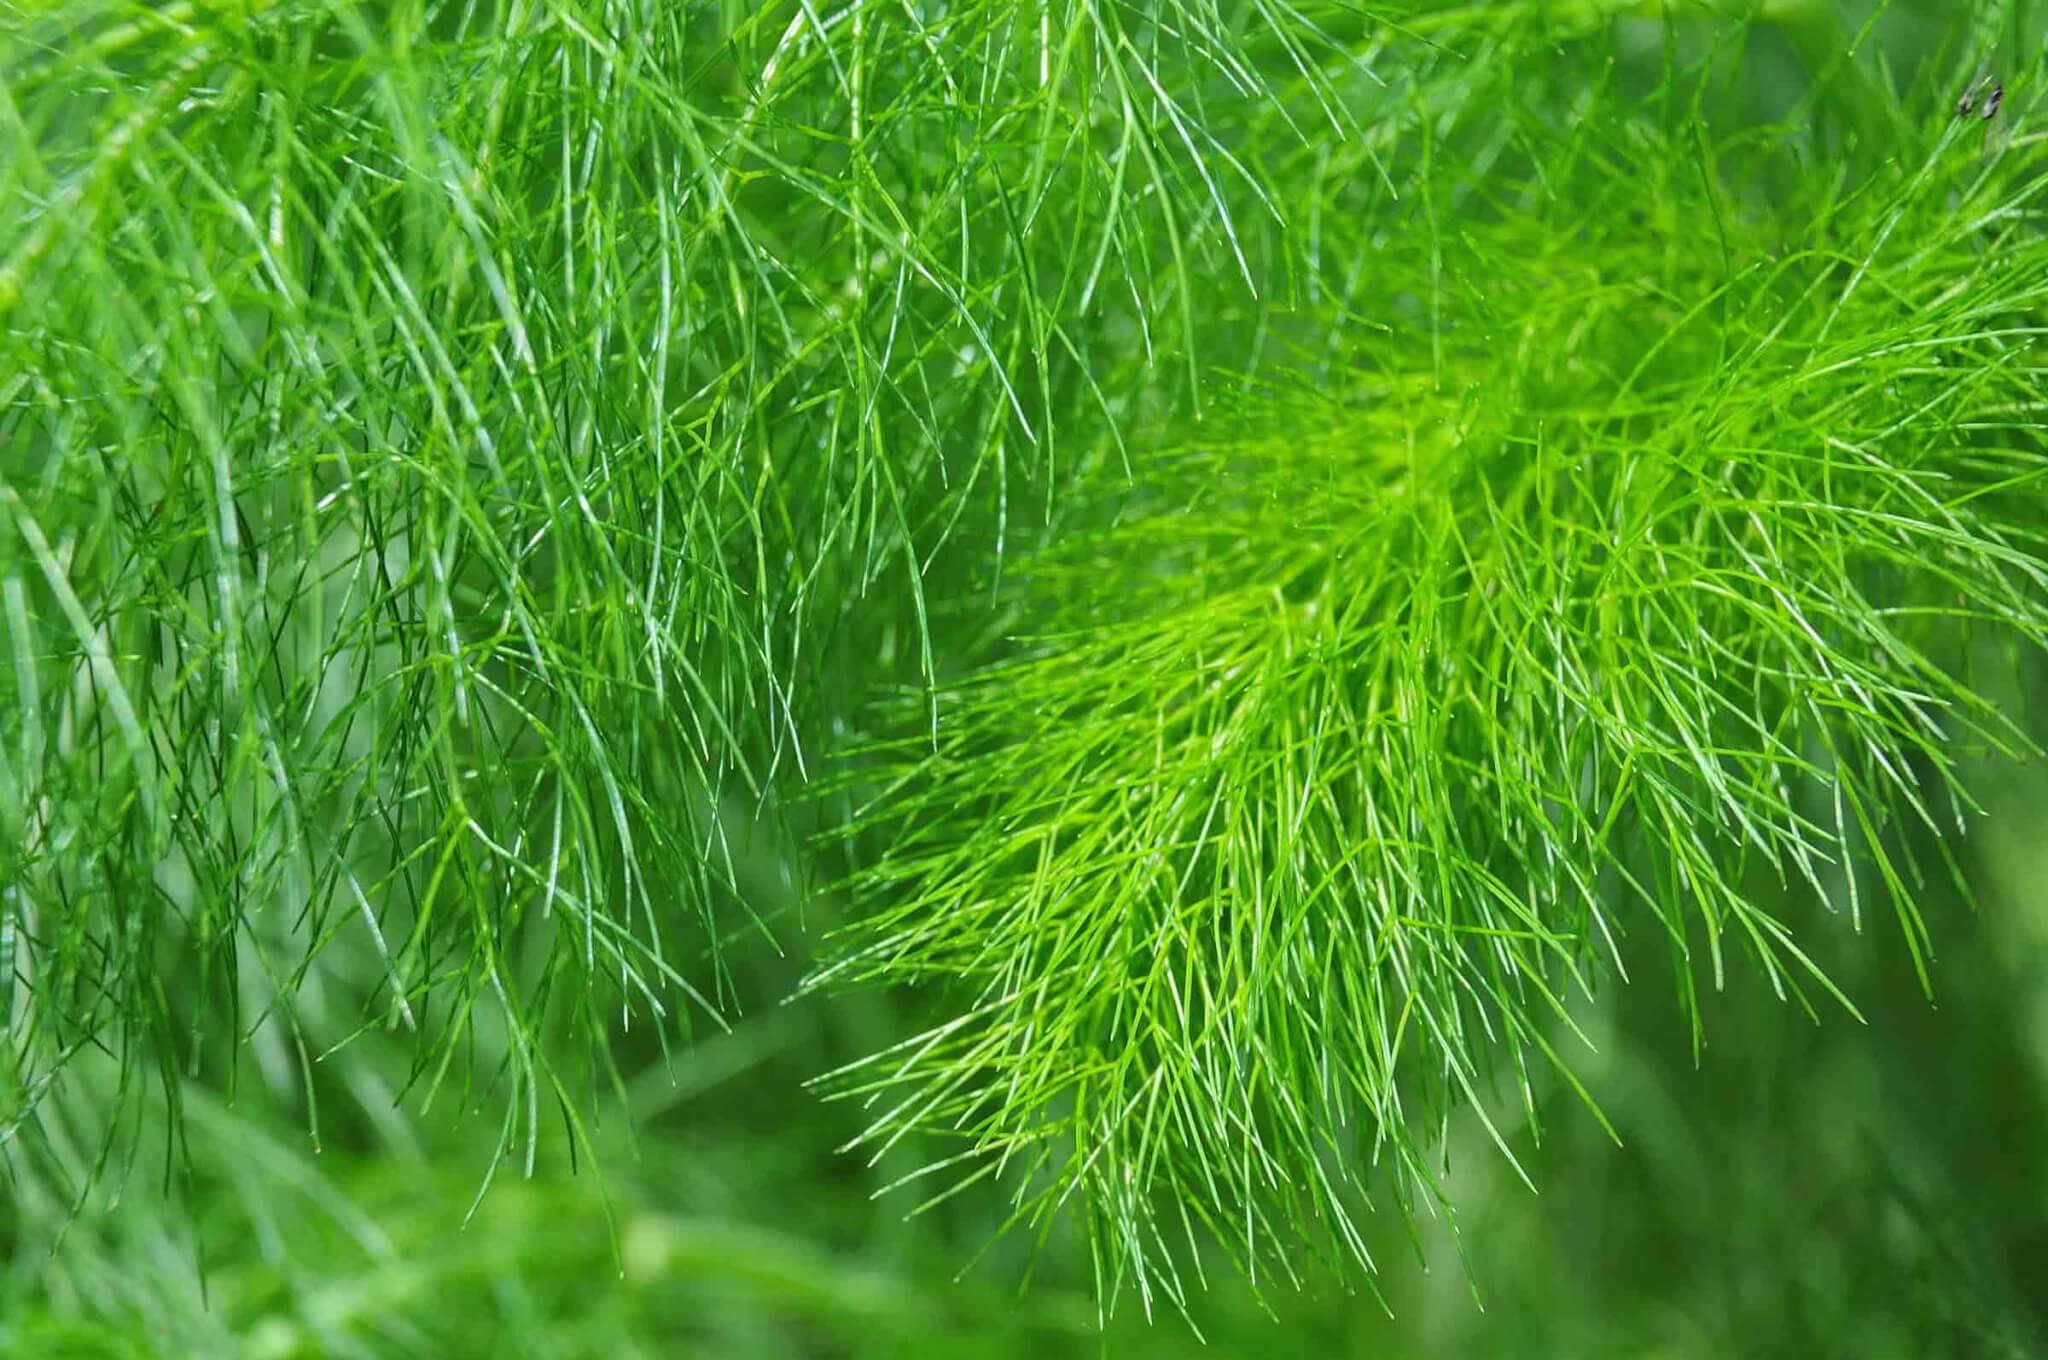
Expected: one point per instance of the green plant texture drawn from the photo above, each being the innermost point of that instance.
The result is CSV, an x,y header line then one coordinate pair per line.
x,y
1188,638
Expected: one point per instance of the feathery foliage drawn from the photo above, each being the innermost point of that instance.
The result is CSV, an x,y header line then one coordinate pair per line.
x,y
1636,549
440,442
465,467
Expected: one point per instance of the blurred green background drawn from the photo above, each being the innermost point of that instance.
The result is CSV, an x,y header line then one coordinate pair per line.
x,y
1804,1189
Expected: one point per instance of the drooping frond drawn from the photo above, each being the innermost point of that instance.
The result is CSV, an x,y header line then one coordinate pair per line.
x,y
448,450
1638,549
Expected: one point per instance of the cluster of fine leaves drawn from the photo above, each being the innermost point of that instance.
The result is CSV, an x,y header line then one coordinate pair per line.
x,y
466,464
446,447
1614,536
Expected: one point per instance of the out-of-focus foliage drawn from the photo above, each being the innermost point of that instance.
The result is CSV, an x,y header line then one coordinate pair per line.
x,y
1803,1189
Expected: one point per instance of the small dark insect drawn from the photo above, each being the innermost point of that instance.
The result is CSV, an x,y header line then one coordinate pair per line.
x,y
1996,97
